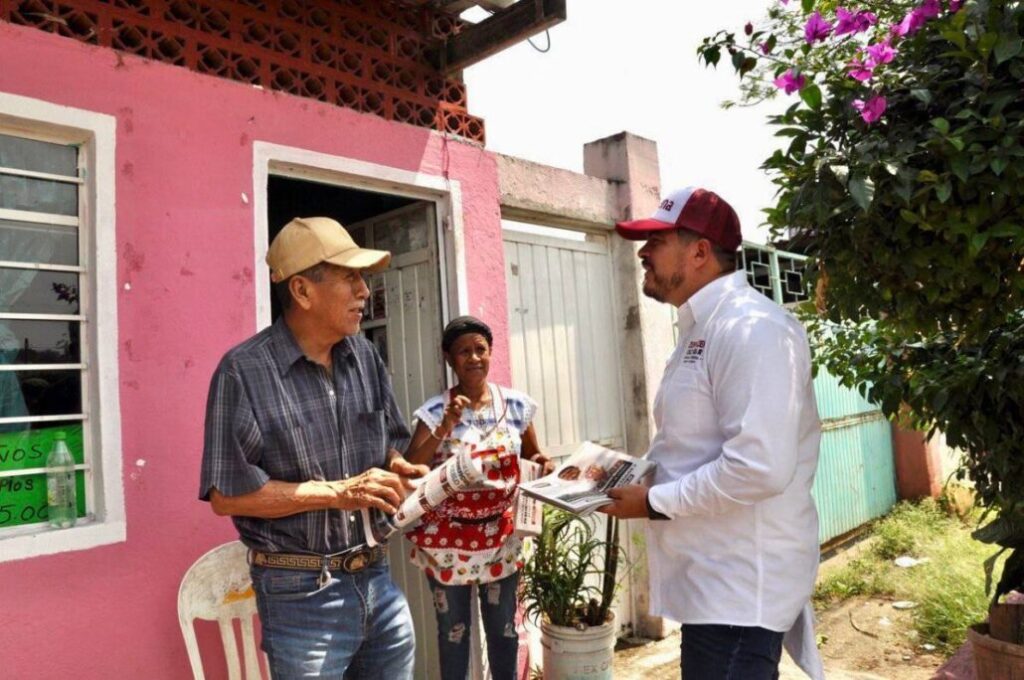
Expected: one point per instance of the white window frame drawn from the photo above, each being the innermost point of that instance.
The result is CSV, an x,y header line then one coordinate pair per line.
x,y
95,134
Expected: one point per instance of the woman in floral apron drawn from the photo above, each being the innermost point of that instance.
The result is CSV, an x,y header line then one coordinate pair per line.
x,y
468,540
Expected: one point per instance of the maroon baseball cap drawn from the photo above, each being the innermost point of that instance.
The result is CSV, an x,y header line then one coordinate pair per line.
x,y
699,210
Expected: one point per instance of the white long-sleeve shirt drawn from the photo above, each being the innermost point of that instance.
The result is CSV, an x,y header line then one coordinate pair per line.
x,y
737,448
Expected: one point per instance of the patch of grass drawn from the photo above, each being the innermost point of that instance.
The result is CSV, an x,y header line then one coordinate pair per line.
x,y
905,529
949,588
866,576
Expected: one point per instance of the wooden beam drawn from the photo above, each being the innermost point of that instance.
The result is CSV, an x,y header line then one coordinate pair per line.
x,y
502,29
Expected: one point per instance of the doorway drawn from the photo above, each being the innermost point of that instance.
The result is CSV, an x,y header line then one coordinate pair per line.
x,y
403,319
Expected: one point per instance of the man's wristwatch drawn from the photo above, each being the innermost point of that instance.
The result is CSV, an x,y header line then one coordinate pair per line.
x,y
651,512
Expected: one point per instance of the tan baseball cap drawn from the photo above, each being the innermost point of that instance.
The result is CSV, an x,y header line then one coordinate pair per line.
x,y
307,241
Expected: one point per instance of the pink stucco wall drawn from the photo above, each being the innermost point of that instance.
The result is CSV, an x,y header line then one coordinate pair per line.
x,y
185,243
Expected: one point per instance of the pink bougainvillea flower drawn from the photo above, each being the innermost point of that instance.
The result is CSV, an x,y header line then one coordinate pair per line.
x,y
790,81
879,53
910,25
930,8
860,71
872,109
917,17
955,5
765,48
853,22
816,29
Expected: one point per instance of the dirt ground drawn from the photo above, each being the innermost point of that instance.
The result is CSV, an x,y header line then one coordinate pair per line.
x,y
865,639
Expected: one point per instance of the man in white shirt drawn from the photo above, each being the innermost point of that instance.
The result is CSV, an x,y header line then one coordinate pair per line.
x,y
737,447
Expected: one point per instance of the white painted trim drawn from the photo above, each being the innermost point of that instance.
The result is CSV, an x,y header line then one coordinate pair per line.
x,y
53,541
18,316
36,471
42,419
286,161
457,243
8,264
597,248
96,134
9,368
32,174
37,217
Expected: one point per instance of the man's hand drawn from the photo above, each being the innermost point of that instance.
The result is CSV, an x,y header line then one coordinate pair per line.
x,y
374,488
404,469
629,502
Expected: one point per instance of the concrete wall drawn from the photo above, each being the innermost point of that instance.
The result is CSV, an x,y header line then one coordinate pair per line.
x,y
621,182
184,234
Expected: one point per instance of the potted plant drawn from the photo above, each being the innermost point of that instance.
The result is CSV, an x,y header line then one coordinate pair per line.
x,y
569,582
902,176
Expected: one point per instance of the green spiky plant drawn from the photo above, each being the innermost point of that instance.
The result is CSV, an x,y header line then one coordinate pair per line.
x,y
558,578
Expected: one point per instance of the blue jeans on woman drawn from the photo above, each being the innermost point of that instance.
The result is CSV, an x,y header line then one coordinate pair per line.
x,y
498,601
719,652
353,626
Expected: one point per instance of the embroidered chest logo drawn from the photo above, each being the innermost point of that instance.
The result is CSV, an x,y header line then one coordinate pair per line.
x,y
694,352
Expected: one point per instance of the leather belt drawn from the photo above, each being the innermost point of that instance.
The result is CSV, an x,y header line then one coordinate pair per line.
x,y
351,561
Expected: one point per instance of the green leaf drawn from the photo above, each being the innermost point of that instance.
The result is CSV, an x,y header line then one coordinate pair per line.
x,y
960,167
909,216
957,143
987,42
811,95
998,165
978,242
1008,47
712,55
922,95
1006,229
956,37
944,190
927,176
862,189
807,6
941,124
1000,531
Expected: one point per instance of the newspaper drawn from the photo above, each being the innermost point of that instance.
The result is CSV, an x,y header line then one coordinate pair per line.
x,y
460,471
528,511
581,483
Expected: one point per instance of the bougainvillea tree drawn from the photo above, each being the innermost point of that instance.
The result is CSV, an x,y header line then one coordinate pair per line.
x,y
901,171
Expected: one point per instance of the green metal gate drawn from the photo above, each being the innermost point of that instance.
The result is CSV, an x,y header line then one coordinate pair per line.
x,y
856,480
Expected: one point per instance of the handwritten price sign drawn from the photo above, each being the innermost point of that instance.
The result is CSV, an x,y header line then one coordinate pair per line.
x,y
23,497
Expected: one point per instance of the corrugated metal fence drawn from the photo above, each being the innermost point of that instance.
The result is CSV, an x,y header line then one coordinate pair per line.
x,y
856,479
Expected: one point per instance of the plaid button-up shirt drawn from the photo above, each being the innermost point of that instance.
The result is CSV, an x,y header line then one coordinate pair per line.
x,y
272,414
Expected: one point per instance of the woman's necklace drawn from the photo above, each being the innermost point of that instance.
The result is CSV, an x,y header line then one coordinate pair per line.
x,y
479,418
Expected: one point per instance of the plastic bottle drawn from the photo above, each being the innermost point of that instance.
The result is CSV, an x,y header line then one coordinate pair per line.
x,y
61,498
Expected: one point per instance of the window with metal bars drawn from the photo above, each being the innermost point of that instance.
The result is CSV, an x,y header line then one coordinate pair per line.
x,y
58,323
43,372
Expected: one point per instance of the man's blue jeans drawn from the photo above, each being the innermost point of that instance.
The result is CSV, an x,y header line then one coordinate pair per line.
x,y
716,652
354,626
498,614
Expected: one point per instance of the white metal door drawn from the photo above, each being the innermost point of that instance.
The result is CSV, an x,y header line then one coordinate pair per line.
x,y
403,318
564,347
563,337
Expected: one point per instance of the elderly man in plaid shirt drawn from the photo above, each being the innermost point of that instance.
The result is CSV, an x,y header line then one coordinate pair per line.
x,y
302,432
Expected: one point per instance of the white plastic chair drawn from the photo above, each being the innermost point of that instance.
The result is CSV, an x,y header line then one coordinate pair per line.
x,y
217,588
